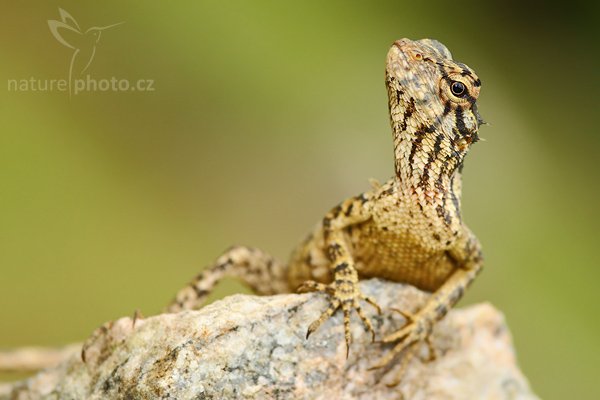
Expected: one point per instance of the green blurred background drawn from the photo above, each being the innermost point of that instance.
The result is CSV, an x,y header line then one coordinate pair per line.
x,y
264,115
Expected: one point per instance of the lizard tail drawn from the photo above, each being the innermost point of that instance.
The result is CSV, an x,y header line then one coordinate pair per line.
x,y
259,270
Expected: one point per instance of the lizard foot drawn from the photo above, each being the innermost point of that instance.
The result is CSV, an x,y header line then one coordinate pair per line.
x,y
344,295
417,330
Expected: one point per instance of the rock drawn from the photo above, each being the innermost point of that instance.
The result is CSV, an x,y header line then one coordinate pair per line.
x,y
255,347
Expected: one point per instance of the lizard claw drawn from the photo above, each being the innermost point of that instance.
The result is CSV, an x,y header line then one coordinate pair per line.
x,y
416,330
312,286
137,315
409,317
345,296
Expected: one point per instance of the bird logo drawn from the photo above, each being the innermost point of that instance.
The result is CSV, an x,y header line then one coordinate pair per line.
x,y
83,43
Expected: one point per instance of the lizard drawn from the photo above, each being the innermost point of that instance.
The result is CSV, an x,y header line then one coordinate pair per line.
x,y
408,230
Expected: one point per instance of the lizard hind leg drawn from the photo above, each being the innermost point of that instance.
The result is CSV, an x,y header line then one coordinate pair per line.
x,y
256,268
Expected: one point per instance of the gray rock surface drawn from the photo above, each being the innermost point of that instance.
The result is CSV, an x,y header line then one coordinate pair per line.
x,y
255,347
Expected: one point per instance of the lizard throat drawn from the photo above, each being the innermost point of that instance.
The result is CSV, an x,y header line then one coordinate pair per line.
x,y
428,162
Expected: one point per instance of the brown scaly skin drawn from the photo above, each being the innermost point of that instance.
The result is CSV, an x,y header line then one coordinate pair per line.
x,y
407,230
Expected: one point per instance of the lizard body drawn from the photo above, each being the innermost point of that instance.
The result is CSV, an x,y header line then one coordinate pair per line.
x,y
407,230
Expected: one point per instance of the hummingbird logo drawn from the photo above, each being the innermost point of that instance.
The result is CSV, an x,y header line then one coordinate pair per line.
x,y
83,43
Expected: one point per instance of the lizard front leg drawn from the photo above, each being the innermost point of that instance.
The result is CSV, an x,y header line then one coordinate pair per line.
x,y
468,256
344,291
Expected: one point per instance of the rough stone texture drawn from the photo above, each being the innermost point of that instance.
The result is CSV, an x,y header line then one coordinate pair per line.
x,y
255,347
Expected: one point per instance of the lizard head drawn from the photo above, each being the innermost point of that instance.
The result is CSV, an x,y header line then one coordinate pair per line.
x,y
432,104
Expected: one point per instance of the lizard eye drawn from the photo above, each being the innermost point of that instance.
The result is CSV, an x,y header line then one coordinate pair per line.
x,y
455,89
458,88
